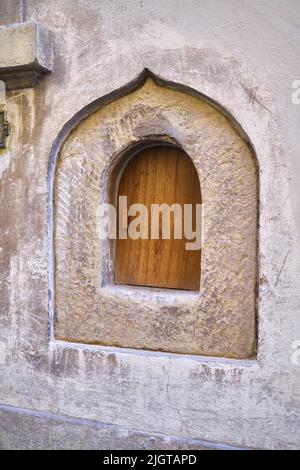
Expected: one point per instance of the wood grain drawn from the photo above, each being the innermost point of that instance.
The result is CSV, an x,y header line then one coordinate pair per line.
x,y
157,175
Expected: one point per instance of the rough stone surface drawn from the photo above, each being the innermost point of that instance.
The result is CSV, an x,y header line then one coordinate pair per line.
x,y
25,54
214,322
245,56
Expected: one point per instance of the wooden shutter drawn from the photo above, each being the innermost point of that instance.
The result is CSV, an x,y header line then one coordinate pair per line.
x,y
159,174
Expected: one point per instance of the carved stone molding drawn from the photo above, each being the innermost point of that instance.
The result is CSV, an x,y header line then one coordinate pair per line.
x,y
220,319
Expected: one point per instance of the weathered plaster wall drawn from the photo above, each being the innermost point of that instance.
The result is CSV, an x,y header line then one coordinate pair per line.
x,y
245,56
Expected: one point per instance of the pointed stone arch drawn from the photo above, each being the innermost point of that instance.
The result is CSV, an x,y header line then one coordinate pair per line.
x,y
219,320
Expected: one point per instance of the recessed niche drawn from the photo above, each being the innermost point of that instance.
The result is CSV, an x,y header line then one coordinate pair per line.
x,y
208,308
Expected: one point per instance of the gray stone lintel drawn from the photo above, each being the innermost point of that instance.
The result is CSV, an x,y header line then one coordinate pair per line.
x,y
26,53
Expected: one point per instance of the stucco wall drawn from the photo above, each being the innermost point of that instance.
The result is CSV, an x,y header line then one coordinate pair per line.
x,y
245,56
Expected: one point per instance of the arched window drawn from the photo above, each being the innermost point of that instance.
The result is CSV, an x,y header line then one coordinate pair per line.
x,y
155,176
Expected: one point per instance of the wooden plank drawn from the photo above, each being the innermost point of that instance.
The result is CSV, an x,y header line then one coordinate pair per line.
x,y
160,174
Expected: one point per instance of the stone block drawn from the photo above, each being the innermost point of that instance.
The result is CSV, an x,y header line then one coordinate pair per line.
x,y
25,54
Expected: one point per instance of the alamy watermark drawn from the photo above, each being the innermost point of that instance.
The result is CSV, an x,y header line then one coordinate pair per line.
x,y
161,221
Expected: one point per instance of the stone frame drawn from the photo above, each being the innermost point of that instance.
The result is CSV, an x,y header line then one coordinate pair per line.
x,y
237,341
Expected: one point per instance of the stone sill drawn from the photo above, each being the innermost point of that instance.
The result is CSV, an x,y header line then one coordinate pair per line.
x,y
211,361
151,294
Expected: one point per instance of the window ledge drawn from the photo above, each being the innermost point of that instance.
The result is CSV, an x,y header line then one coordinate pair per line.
x,y
152,294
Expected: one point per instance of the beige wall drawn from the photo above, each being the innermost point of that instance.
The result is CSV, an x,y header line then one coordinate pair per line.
x,y
245,56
